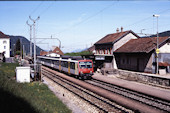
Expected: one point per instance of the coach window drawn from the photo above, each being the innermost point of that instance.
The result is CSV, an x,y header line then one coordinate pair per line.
x,y
72,65
57,62
66,64
62,63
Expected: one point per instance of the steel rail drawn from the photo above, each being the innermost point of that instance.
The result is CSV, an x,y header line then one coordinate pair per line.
x,y
73,85
126,102
152,101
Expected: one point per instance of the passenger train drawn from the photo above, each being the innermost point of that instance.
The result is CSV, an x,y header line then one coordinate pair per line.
x,y
82,69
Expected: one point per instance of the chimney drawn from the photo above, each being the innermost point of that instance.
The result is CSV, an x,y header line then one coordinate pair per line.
x,y
117,30
121,29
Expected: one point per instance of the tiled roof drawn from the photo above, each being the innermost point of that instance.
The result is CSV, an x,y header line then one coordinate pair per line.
x,y
92,48
58,51
2,35
163,64
140,45
111,38
42,53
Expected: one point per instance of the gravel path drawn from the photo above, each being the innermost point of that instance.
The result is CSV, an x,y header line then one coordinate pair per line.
x,y
73,102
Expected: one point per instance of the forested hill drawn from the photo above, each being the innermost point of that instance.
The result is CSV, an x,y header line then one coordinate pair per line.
x,y
25,42
162,34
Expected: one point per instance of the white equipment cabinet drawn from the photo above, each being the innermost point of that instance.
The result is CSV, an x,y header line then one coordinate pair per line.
x,y
23,74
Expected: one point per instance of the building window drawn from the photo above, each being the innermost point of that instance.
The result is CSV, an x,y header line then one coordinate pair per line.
x,y
97,51
4,42
4,47
106,51
110,50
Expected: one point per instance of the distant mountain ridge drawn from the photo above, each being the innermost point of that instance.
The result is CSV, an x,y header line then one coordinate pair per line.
x,y
25,42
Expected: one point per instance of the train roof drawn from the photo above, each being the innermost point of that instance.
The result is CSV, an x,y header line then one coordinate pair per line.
x,y
57,58
72,57
65,58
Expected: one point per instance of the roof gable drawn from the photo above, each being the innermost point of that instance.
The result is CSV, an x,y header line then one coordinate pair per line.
x,y
140,45
58,51
2,35
111,38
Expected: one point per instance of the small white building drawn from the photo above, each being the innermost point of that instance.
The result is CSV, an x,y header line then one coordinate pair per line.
x,y
4,44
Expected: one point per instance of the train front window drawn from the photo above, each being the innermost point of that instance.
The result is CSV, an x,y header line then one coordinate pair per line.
x,y
85,65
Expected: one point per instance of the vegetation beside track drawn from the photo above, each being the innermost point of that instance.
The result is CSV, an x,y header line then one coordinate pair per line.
x,y
32,97
79,53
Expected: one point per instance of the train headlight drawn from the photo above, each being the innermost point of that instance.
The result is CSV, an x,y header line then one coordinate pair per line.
x,y
91,72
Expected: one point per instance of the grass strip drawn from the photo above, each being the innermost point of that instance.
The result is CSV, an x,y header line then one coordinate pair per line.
x,y
32,97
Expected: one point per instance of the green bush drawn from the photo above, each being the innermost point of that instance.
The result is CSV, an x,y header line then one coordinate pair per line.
x,y
79,53
17,53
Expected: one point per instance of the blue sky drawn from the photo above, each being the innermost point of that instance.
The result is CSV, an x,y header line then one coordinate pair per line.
x,y
79,24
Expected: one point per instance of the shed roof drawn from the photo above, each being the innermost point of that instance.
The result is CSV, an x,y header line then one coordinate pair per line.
x,y
111,38
164,64
2,35
140,45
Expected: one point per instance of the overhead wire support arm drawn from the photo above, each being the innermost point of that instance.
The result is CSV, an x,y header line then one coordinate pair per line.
x,y
34,21
30,37
58,40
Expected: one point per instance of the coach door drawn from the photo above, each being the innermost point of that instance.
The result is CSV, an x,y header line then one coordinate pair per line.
x,y
68,67
59,65
76,69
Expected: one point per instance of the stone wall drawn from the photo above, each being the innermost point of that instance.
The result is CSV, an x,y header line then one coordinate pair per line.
x,y
143,77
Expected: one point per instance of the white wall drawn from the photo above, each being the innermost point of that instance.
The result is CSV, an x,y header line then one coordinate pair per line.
x,y
123,40
165,48
7,46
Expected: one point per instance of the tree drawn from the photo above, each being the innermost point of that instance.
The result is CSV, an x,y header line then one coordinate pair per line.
x,y
18,45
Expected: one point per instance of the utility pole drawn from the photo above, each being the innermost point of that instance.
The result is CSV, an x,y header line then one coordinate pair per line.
x,y
34,21
23,51
157,46
30,38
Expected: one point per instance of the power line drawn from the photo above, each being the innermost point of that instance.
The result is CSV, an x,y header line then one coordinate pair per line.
x,y
137,22
88,17
46,9
33,11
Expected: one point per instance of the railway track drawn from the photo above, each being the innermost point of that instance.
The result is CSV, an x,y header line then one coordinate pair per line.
x,y
105,96
155,102
103,104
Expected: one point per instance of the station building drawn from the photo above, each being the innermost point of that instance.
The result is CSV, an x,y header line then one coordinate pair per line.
x,y
140,55
104,48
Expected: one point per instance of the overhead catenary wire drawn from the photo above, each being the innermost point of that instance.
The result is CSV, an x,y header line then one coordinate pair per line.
x,y
135,23
36,8
149,17
95,14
